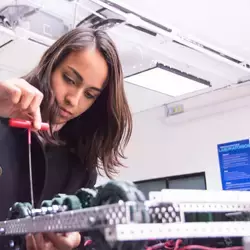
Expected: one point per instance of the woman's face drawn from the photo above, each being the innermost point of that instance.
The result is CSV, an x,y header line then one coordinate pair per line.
x,y
78,82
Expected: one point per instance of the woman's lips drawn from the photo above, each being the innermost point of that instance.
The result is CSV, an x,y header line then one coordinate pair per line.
x,y
65,113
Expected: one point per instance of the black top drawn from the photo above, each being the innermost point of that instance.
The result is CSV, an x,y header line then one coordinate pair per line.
x,y
57,176
55,170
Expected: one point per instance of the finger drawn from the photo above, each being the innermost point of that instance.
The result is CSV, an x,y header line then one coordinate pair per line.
x,y
45,243
18,114
29,93
37,119
30,242
26,99
11,91
72,240
15,95
36,102
35,110
40,242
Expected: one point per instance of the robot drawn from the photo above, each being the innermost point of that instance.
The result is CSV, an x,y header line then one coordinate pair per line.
x,y
116,216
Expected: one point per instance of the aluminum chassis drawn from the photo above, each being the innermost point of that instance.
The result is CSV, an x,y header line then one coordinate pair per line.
x,y
161,217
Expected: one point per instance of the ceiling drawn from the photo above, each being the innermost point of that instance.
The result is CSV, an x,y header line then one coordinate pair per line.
x,y
222,24
206,39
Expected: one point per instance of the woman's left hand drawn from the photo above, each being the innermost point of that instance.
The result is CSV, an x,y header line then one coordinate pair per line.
x,y
53,241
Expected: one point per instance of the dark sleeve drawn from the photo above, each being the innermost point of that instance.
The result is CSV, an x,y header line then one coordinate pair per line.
x,y
4,122
10,156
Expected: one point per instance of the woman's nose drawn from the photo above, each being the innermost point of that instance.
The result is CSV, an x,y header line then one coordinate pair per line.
x,y
73,99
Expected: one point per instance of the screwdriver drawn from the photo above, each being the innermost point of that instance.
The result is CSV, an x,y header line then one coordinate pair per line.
x,y
18,123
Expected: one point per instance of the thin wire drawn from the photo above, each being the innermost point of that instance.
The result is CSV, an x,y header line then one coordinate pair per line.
x,y
30,169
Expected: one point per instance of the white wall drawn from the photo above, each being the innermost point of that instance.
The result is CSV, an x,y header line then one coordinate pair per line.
x,y
187,143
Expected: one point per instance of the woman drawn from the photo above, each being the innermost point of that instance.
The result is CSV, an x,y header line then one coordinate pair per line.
x,y
78,89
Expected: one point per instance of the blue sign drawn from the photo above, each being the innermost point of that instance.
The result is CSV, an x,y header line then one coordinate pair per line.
x,y
234,158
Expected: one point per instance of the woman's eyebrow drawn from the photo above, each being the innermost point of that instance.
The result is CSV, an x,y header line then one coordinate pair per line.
x,y
97,89
77,74
80,78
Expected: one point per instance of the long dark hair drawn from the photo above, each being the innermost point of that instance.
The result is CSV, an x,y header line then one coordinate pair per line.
x,y
100,134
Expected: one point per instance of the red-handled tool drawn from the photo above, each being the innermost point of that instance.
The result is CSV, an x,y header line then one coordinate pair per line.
x,y
28,125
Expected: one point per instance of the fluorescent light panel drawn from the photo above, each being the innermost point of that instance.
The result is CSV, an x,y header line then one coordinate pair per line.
x,y
166,82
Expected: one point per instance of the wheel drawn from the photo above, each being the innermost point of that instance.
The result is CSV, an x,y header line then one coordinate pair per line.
x,y
86,195
72,202
115,191
111,193
19,210
58,199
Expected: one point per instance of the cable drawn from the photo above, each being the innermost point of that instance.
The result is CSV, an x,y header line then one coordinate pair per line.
x,y
171,245
177,244
192,247
163,245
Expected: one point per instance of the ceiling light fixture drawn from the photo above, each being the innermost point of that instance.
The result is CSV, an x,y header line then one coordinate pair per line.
x,y
167,80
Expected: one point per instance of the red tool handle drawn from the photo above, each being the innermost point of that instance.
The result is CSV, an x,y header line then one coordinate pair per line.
x,y
26,124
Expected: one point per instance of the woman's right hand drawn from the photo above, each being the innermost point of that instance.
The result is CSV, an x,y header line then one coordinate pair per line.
x,y
20,100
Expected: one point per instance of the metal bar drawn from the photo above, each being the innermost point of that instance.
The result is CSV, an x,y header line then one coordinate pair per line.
x,y
214,207
137,232
195,196
153,212
30,169
76,220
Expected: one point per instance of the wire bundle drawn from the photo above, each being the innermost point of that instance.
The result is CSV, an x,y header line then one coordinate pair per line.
x,y
178,245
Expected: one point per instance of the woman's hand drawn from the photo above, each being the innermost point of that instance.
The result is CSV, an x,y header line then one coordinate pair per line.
x,y
19,99
53,241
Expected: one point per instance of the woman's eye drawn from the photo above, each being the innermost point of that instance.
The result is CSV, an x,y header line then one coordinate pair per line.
x,y
68,79
89,96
